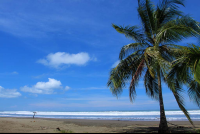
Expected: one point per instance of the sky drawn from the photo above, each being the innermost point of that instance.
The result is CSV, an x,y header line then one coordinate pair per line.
x,y
56,55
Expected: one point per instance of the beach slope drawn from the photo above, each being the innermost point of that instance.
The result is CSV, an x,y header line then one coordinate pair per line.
x,y
43,125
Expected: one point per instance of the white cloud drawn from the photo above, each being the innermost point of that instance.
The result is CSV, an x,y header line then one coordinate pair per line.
x,y
8,93
61,58
43,87
115,64
67,88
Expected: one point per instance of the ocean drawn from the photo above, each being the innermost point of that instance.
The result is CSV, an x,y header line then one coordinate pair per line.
x,y
172,115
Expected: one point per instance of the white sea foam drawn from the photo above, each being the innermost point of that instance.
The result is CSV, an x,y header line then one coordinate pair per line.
x,y
107,115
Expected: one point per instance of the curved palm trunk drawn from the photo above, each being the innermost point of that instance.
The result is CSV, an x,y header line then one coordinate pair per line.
x,y
163,127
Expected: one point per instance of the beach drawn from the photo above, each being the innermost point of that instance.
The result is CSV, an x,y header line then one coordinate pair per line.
x,y
47,125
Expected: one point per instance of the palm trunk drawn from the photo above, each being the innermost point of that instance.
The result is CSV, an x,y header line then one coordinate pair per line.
x,y
163,127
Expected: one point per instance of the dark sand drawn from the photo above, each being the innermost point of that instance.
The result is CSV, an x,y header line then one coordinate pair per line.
x,y
43,125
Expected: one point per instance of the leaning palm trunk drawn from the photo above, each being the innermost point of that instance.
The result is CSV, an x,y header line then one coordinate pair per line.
x,y
163,127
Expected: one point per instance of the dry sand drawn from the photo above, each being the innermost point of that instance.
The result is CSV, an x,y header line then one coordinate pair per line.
x,y
43,125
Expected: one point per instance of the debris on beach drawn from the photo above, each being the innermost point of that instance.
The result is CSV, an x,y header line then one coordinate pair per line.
x,y
58,129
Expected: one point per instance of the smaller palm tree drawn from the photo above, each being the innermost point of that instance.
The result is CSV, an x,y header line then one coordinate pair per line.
x,y
186,71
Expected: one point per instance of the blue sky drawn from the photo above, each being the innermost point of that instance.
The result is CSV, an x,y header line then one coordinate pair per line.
x,y
56,55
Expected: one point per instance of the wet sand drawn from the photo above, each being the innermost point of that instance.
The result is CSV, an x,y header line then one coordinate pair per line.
x,y
44,125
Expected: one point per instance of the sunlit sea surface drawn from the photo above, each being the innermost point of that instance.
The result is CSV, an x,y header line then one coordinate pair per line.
x,y
107,115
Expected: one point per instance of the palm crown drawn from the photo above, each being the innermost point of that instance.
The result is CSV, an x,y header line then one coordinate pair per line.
x,y
153,50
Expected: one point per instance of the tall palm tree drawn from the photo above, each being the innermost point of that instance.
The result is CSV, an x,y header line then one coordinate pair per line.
x,y
151,54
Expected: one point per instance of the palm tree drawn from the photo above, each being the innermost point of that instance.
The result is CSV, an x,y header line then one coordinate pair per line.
x,y
186,70
151,54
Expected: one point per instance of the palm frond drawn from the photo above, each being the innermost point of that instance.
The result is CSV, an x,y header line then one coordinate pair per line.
x,y
166,53
149,63
133,32
146,13
197,71
176,30
174,51
123,72
192,54
180,72
180,100
151,86
190,57
135,80
167,10
194,92
175,85
130,48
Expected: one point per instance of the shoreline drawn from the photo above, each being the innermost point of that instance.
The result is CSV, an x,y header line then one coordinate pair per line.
x,y
50,125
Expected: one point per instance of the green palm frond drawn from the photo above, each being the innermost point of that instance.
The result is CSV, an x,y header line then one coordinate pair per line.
x,y
146,12
180,100
194,92
135,79
176,30
190,57
179,72
149,63
192,53
151,86
123,72
197,71
175,52
167,53
175,83
130,48
133,32
167,10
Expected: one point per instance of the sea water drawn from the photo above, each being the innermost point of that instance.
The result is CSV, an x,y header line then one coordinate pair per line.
x,y
173,115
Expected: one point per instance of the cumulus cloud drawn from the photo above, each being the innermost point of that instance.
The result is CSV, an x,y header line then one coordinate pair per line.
x,y
43,87
8,93
61,58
